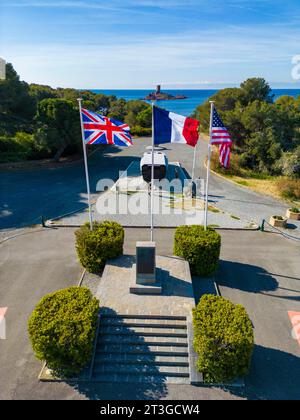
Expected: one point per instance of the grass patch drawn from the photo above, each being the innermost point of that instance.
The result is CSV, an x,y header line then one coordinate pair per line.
x,y
234,217
289,188
213,209
275,186
244,183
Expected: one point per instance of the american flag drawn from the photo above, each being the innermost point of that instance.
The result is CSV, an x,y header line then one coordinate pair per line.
x,y
99,129
219,133
224,155
220,136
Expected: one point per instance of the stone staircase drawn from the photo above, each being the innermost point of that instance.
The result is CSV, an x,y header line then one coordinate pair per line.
x,y
141,348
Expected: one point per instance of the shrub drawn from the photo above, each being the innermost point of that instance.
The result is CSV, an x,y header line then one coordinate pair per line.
x,y
201,248
95,247
278,217
223,339
19,147
289,188
234,168
289,164
141,131
295,210
62,329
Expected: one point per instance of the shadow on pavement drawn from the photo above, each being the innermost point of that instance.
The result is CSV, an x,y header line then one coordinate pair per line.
x,y
274,375
245,277
28,195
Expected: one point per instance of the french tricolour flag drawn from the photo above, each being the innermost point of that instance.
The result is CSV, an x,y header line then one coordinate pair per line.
x,y
174,128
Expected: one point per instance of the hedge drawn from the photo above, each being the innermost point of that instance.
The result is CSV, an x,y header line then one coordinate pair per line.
x,y
223,339
95,247
62,329
201,248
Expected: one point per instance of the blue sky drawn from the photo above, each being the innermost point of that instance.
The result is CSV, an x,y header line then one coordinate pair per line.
x,y
139,43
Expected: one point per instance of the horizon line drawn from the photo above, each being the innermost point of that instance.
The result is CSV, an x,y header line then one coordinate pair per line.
x,y
178,88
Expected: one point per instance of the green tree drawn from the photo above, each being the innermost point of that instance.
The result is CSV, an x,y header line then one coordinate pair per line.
x,y
40,92
14,96
225,100
144,118
59,121
117,110
254,89
69,94
133,108
286,101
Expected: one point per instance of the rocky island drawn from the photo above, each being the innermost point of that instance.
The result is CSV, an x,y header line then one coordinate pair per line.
x,y
158,95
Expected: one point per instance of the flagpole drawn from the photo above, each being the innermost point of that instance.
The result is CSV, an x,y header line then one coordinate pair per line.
x,y
85,164
194,162
208,163
152,176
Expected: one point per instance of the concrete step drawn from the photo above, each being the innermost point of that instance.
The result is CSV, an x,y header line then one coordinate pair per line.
x,y
159,360
142,331
160,380
133,339
141,369
145,316
141,349
146,323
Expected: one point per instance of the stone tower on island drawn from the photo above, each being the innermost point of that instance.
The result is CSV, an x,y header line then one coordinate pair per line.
x,y
157,89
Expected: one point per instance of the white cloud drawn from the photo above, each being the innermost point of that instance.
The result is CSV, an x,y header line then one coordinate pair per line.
x,y
215,55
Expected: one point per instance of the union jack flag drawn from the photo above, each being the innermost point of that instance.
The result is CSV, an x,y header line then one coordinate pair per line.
x,y
220,136
102,130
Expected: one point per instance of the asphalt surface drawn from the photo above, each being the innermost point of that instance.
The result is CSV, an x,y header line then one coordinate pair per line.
x,y
265,280
31,266
27,195
262,272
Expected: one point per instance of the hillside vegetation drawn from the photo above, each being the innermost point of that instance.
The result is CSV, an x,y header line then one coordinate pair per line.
x,y
37,121
265,134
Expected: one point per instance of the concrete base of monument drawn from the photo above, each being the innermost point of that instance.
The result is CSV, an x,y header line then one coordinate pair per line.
x,y
146,287
176,298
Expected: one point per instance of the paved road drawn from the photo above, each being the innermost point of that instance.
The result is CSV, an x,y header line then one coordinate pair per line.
x,y
262,272
265,280
31,266
25,196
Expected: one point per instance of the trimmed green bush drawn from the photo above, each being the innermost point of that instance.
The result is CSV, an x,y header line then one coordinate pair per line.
x,y
95,247
223,339
201,248
62,329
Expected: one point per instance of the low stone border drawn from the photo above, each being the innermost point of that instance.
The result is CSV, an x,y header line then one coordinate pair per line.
x,y
82,277
46,375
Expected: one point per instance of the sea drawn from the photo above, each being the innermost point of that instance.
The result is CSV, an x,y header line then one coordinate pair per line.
x,y
182,106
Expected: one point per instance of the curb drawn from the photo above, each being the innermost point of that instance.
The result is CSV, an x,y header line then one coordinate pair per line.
x,y
21,234
254,229
81,278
